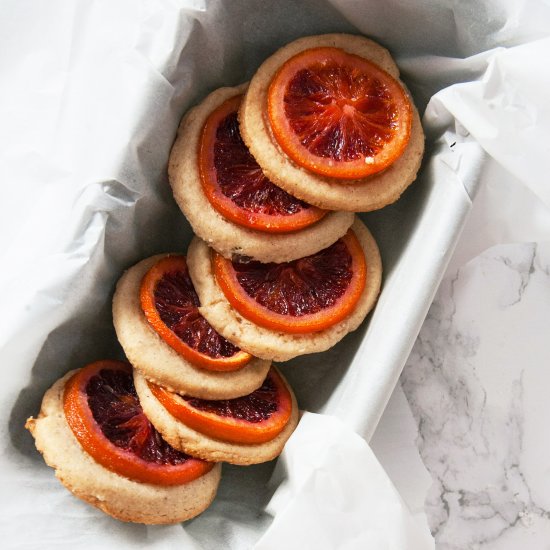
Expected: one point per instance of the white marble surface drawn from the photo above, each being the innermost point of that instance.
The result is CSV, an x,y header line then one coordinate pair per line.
x,y
477,382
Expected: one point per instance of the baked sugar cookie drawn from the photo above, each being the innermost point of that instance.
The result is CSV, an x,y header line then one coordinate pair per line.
x,y
123,498
359,194
241,193
275,344
150,353
247,430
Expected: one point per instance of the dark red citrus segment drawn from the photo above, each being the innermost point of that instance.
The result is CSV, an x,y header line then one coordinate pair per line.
x,y
103,411
300,287
177,303
170,304
255,418
338,114
115,406
255,407
305,295
340,131
241,179
235,184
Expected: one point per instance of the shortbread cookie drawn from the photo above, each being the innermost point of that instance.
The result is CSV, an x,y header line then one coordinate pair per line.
x,y
153,357
225,236
195,443
359,195
118,496
271,344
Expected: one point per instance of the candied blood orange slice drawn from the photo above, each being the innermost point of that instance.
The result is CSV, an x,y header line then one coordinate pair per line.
x,y
337,114
103,411
170,304
305,295
255,418
235,185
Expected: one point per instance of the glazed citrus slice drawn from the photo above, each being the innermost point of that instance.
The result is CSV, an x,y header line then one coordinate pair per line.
x,y
337,114
302,296
235,185
254,418
103,411
170,304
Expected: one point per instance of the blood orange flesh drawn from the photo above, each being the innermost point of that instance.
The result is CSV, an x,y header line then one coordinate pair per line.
x,y
103,411
170,304
302,296
254,418
337,114
235,184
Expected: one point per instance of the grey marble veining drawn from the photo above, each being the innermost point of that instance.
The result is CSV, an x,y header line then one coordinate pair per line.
x,y
478,383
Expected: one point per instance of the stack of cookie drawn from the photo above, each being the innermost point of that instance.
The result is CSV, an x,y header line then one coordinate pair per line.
x,y
235,407
269,175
